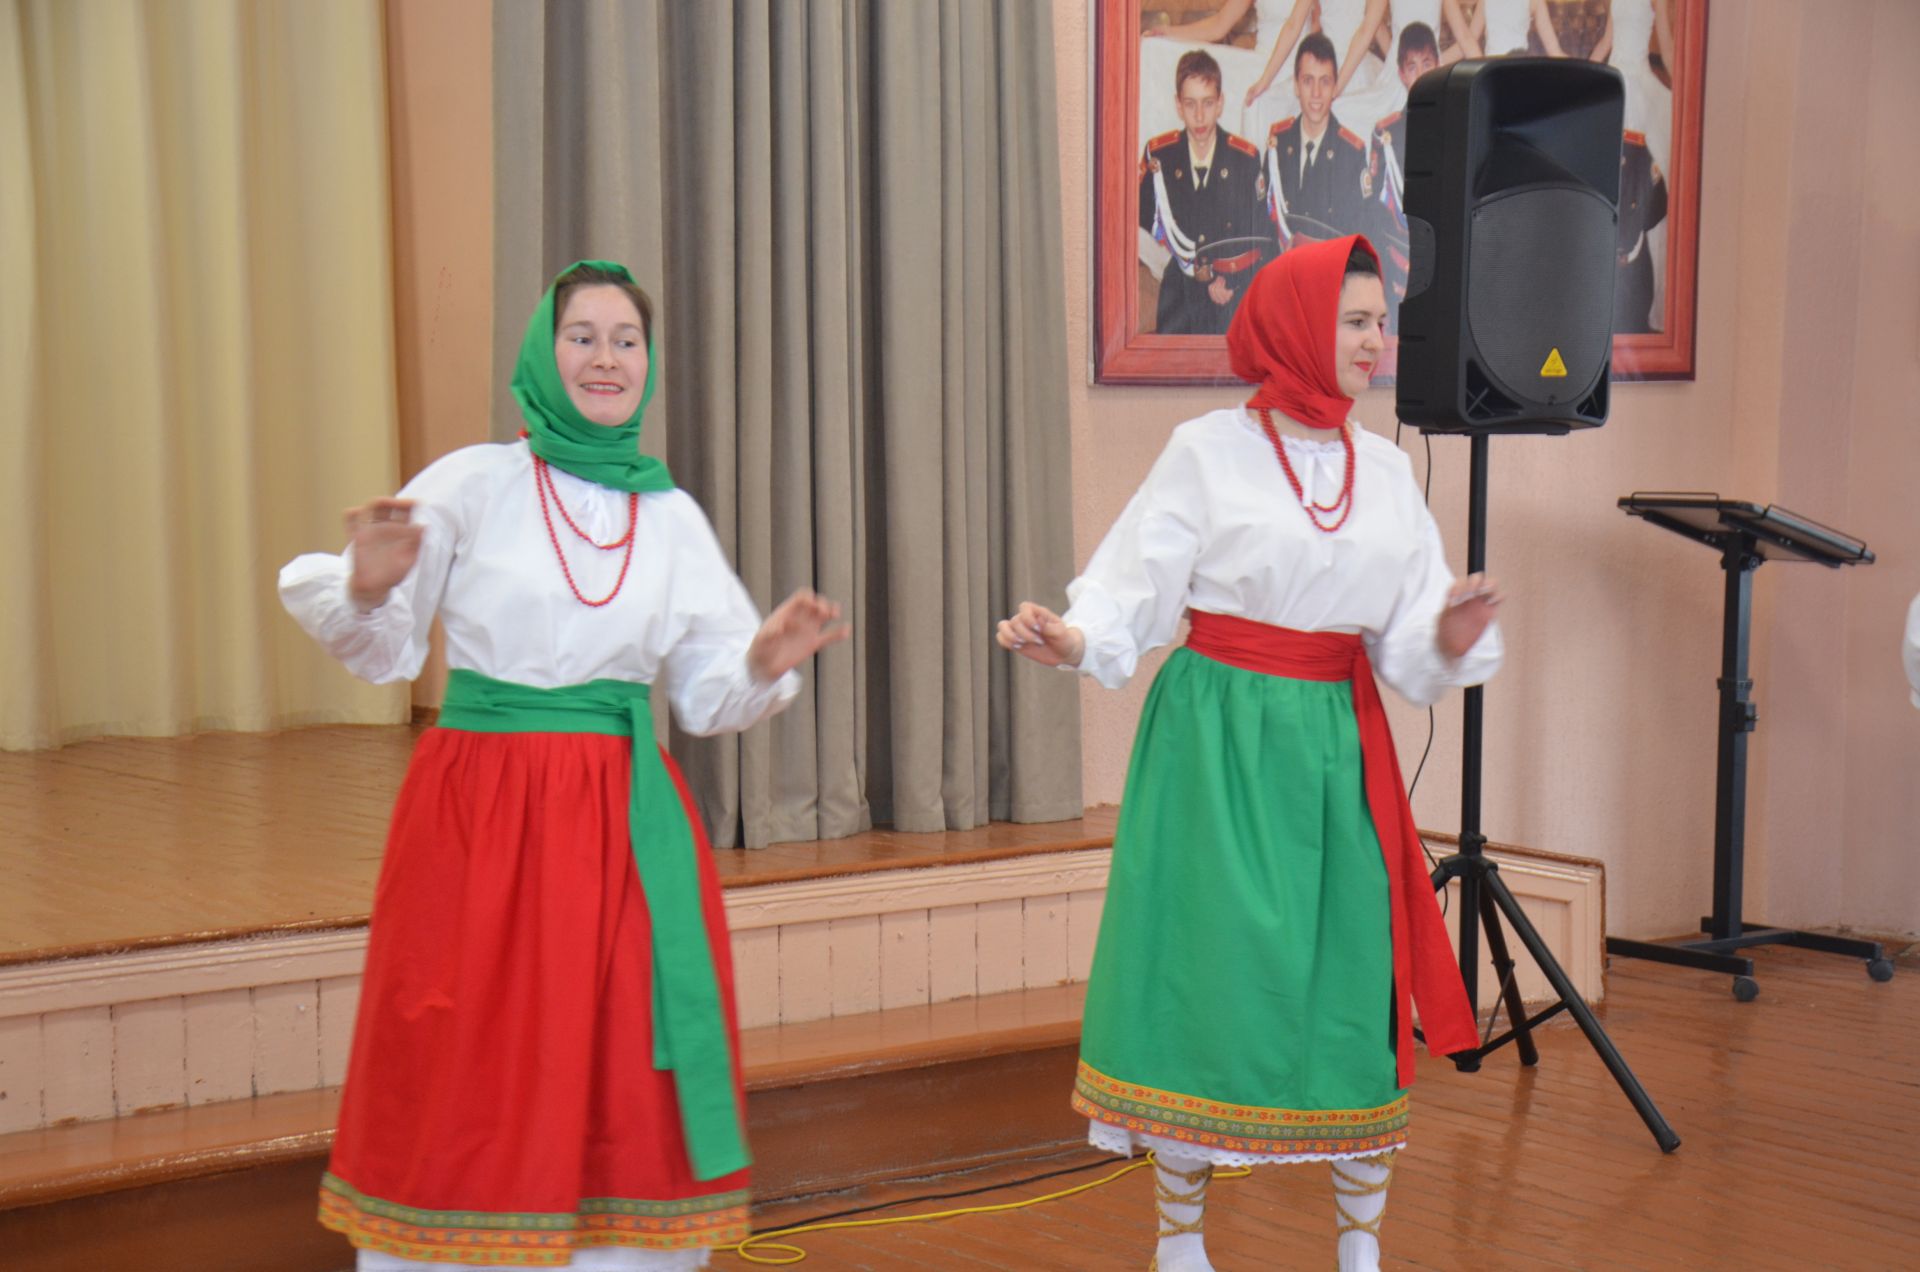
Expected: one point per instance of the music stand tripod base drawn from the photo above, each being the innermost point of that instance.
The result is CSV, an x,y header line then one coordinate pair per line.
x,y
1745,534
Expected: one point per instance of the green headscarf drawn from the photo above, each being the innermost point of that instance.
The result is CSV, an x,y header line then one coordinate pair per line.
x,y
557,432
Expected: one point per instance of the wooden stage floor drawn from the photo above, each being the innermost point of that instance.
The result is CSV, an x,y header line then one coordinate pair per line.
x,y
126,843
1797,1115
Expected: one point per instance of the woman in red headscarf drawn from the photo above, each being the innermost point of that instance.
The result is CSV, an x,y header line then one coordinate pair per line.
x,y
1269,928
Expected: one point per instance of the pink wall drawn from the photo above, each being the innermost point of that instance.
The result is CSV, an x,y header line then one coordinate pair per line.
x,y
440,128
1601,729
440,94
1880,738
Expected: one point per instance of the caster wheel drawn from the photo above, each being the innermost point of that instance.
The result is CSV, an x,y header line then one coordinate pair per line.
x,y
1745,988
1881,969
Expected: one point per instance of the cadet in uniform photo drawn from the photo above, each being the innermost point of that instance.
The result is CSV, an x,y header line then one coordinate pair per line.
x,y
1319,164
1419,52
1200,200
1643,209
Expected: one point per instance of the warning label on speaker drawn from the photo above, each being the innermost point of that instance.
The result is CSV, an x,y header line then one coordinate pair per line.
x,y
1555,366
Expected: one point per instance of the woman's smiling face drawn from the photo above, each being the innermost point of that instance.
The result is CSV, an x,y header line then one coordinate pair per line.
x,y
1359,333
601,352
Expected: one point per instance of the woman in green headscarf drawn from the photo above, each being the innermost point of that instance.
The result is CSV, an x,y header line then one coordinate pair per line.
x,y
545,1068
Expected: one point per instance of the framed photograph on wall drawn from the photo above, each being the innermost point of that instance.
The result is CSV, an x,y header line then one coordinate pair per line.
x,y
1227,131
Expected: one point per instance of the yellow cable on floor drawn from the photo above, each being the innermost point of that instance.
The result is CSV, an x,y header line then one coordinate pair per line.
x,y
763,1249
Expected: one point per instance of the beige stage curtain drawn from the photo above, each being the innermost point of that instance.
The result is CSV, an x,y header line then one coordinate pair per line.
x,y
196,365
849,213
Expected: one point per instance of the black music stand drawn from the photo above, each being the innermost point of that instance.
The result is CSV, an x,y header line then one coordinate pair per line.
x,y
1744,534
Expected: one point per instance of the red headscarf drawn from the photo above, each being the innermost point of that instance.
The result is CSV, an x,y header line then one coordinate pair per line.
x,y
1282,334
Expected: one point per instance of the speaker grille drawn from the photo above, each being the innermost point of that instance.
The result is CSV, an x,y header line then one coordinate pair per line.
x,y
1542,281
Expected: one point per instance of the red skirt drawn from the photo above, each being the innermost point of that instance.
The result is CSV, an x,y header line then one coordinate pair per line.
x,y
501,1105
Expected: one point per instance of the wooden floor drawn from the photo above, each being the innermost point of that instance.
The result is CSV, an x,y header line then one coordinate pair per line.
x,y
127,843
1797,1114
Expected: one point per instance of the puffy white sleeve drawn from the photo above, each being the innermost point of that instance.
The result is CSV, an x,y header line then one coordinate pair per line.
x,y
1404,654
1132,595
705,674
387,643
1911,651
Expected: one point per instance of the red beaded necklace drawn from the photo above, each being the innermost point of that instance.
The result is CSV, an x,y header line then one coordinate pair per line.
x,y
1343,505
543,482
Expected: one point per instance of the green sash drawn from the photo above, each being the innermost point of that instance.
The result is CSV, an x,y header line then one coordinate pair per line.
x,y
689,1025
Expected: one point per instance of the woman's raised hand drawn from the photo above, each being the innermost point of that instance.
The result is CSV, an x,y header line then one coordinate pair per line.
x,y
1038,633
386,543
1470,605
803,625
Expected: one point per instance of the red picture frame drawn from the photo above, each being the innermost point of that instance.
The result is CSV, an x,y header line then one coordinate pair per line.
x,y
1123,354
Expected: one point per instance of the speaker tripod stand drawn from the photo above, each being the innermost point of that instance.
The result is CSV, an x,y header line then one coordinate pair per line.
x,y
1484,895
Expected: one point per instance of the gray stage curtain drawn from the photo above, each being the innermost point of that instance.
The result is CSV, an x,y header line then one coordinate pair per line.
x,y
848,212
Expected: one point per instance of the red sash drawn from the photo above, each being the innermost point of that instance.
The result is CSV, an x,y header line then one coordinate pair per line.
x,y
1424,971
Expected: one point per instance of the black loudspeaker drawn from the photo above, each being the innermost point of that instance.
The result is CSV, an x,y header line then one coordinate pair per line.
x,y
1512,195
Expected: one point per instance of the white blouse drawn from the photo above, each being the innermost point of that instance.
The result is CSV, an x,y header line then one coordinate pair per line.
x,y
487,569
1216,527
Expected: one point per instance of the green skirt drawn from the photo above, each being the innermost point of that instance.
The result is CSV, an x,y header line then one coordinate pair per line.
x,y
1242,990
